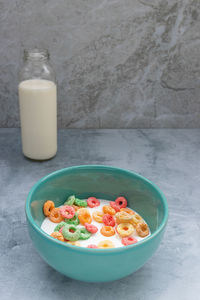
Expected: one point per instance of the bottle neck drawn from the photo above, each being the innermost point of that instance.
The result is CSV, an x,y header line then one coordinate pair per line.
x,y
36,55
37,65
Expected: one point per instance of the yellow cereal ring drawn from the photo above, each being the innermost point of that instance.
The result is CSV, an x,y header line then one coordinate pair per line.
x,y
82,210
125,229
136,219
58,235
98,216
47,208
76,243
142,229
123,217
107,209
127,210
105,244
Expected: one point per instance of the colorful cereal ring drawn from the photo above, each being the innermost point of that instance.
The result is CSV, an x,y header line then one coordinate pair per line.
x,y
121,202
55,215
84,216
47,207
105,244
70,200
98,216
59,226
61,229
92,246
107,209
128,241
136,219
107,230
93,202
91,228
74,220
76,243
115,206
71,232
84,234
127,210
123,217
125,229
58,236
75,207
142,229
79,202
67,212
108,220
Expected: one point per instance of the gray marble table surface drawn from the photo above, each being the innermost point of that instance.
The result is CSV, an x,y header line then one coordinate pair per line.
x,y
168,157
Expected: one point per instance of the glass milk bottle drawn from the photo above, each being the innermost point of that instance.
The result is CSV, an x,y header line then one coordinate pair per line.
x,y
38,106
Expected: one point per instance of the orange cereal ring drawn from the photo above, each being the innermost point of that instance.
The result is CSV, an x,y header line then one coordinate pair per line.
x,y
76,243
107,209
84,216
105,244
123,217
107,230
58,235
125,229
55,215
47,207
98,216
127,210
136,219
142,229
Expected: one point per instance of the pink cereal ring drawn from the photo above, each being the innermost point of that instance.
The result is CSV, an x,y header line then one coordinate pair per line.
x,y
92,246
121,202
93,202
115,206
61,229
128,241
108,220
91,228
67,211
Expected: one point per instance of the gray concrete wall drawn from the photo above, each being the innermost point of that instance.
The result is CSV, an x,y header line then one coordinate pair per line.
x,y
119,63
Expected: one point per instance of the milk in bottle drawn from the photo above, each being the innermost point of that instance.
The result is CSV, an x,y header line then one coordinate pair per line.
x,y
38,106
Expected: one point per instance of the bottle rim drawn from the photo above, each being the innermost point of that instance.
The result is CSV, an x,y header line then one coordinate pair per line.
x,y
36,54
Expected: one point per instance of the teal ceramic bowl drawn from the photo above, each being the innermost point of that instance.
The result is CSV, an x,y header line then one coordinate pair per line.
x,y
96,265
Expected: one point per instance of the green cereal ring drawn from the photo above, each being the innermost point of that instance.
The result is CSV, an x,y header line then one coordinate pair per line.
x,y
70,200
85,234
60,225
80,202
74,220
71,236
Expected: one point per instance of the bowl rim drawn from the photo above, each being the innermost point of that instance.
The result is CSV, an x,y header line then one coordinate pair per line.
x,y
96,250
